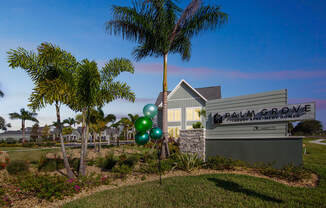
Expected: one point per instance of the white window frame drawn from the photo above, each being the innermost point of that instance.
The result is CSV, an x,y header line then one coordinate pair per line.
x,y
200,108
180,114
180,128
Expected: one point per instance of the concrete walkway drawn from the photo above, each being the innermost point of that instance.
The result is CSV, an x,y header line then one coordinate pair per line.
x,y
318,141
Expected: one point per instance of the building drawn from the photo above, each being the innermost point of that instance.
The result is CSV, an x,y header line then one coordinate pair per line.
x,y
184,103
13,135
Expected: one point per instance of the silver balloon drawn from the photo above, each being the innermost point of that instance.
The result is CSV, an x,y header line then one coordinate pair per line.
x,y
150,110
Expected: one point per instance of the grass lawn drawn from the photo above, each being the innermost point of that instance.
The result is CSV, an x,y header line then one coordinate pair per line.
x,y
33,155
218,190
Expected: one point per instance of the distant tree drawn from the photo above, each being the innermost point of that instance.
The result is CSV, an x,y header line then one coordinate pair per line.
x,y
67,130
1,94
24,116
3,124
133,119
35,131
45,132
70,121
308,127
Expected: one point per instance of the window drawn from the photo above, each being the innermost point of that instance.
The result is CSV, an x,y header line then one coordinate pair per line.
x,y
174,115
174,131
189,127
192,114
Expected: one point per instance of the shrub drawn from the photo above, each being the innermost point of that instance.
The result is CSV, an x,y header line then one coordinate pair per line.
x,y
50,164
149,155
122,170
197,125
290,172
153,167
222,163
188,161
108,162
17,166
130,161
174,148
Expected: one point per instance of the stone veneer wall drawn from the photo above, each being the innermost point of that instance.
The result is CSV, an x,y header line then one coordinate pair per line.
x,y
193,141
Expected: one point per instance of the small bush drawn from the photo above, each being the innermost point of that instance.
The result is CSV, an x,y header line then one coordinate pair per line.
x,y
153,167
17,166
174,148
290,172
50,164
122,170
149,155
222,163
108,162
188,162
197,125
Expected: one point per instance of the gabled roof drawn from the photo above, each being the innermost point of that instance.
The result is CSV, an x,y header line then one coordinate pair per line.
x,y
207,93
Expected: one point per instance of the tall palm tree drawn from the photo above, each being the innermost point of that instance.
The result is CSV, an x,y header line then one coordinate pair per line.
x,y
51,70
94,88
70,121
3,124
161,27
24,115
127,125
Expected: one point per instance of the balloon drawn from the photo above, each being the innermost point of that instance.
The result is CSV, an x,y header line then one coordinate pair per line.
x,y
143,124
156,133
150,110
141,138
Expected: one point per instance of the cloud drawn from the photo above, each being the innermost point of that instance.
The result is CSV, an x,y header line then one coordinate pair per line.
x,y
145,100
320,103
156,68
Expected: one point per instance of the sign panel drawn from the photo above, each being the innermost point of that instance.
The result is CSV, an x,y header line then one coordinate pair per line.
x,y
294,112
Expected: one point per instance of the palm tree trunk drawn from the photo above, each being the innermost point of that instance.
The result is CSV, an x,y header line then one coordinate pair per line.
x,y
165,148
99,147
94,141
83,144
63,149
23,130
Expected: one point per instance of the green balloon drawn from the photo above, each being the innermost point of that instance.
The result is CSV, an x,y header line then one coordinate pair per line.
x,y
150,110
143,124
156,133
141,138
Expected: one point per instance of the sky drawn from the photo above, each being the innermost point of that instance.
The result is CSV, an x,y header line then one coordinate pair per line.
x,y
266,45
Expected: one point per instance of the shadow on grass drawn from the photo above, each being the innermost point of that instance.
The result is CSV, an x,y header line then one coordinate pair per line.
x,y
234,187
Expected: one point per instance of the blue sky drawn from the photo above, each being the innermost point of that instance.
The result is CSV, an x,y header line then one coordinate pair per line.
x,y
267,45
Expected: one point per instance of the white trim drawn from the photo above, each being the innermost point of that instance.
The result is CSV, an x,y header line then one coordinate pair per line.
x,y
175,109
175,89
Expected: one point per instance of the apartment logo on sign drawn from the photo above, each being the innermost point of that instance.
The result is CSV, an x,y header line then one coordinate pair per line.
x,y
295,112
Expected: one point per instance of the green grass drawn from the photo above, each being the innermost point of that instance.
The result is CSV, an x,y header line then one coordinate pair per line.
x,y
32,156
218,190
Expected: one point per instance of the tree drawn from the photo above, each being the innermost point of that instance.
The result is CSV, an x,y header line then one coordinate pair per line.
x,y
70,121
45,133
290,128
24,116
1,94
35,131
67,130
127,125
160,27
308,127
99,122
94,88
133,119
51,70
3,124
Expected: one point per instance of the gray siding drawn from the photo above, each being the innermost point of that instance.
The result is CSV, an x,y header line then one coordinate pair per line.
x,y
260,100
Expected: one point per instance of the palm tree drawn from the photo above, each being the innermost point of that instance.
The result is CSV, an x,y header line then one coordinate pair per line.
x,y
24,116
94,88
133,119
127,125
51,70
70,121
99,122
116,126
160,27
3,124
1,94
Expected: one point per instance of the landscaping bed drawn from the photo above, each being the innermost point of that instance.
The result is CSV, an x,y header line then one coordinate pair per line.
x,y
129,165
